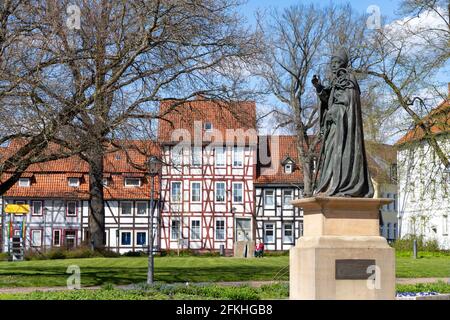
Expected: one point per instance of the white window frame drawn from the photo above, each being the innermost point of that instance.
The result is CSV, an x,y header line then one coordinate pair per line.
x,y
292,233
24,182
286,166
220,162
128,185
267,229
238,151
131,238
74,182
192,192
224,191
191,233
33,244
445,225
33,206
285,204
171,228
67,209
266,206
137,208
180,193
207,129
216,229
196,156
60,237
121,208
242,192
136,238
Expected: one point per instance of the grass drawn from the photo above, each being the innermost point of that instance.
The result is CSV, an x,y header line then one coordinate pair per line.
x,y
191,292
126,270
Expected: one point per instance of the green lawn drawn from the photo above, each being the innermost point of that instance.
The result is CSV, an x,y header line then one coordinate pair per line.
x,y
125,270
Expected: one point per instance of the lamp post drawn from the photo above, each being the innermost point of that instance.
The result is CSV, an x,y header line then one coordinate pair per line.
x,y
154,165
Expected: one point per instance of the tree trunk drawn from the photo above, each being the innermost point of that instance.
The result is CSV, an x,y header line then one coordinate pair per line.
x,y
96,204
308,179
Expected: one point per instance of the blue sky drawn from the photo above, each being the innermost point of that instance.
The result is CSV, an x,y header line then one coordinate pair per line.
x,y
387,7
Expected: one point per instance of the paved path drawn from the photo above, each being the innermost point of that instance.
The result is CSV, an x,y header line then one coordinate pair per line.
x,y
234,283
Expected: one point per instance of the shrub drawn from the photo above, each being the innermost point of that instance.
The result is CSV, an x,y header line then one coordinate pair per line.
x,y
4,256
406,244
62,253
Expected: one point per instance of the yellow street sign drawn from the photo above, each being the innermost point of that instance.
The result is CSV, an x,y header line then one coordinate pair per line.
x,y
17,208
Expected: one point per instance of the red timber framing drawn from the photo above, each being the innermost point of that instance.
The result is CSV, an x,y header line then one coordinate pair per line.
x,y
207,210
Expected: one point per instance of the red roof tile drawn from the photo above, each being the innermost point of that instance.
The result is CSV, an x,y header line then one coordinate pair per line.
x,y
287,147
438,120
222,116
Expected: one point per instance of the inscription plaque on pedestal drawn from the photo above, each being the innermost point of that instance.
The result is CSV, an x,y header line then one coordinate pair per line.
x,y
353,269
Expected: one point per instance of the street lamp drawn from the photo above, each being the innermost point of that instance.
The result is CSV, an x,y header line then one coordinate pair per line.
x,y
154,167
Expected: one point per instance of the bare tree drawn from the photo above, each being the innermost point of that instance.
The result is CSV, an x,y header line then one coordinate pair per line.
x,y
299,44
405,57
127,57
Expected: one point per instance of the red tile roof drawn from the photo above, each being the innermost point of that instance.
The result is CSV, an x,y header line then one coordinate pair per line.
x,y
50,179
438,120
287,147
222,116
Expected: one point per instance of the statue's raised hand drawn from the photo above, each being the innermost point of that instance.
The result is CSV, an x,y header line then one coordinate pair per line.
x,y
316,81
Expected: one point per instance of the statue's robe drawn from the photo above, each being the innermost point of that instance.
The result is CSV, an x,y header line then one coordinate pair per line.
x,y
342,165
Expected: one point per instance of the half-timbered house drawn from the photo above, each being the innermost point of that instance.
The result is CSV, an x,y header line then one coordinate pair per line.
x,y
58,195
278,181
207,193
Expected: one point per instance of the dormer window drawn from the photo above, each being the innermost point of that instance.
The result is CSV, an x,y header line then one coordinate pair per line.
x,y
24,182
74,182
207,126
288,168
105,182
132,182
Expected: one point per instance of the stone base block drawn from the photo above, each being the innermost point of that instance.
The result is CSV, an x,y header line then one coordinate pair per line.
x,y
341,268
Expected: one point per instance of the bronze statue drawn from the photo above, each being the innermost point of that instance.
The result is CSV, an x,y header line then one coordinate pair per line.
x,y
342,164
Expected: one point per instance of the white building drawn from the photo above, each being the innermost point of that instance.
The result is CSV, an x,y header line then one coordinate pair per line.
x,y
424,201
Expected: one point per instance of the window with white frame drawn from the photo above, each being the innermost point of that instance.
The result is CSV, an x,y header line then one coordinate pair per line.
x,y
287,198
141,238
220,157
237,192
269,233
196,191
269,199
288,168
105,182
36,238
175,229
125,238
288,233
395,231
56,238
220,229
74,182
208,126
238,157
141,208
37,208
175,191
71,208
220,192
132,182
177,156
195,229
196,155
24,182
445,225
126,208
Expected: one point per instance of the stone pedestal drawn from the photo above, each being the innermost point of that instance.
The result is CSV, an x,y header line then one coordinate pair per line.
x,y
341,254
